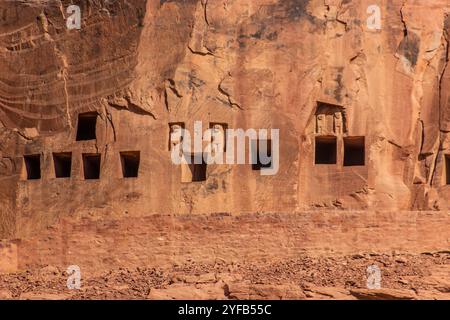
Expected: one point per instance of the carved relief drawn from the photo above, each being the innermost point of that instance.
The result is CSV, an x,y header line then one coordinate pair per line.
x,y
321,124
175,134
338,125
330,120
218,138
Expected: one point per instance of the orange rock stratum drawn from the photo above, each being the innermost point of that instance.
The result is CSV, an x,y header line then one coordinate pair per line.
x,y
96,97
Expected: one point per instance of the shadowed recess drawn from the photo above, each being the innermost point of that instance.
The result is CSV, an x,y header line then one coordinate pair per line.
x,y
87,123
130,161
354,151
63,164
326,148
33,166
91,166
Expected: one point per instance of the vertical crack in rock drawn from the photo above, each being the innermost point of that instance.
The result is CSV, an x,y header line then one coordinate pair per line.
x,y
198,32
405,28
64,70
444,69
445,36
205,4
408,52
109,118
66,92
409,47
64,64
422,135
111,122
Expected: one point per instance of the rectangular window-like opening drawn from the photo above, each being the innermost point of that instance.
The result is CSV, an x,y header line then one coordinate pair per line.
x,y
91,166
447,168
326,148
194,172
199,172
261,154
87,123
63,164
33,166
354,151
130,163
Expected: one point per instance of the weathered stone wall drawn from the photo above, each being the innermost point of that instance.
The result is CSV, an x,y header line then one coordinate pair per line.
x,y
101,242
250,64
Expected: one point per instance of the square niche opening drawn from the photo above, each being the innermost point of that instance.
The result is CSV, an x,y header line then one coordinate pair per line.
x,y
63,164
354,151
194,172
91,166
130,161
87,124
261,154
325,150
33,166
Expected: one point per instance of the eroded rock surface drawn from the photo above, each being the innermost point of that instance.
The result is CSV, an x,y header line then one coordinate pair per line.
x,y
406,277
363,113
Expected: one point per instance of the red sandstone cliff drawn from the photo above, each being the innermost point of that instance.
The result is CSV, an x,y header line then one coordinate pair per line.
x,y
312,69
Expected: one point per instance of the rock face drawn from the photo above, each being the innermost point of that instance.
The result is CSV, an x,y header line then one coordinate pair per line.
x,y
360,95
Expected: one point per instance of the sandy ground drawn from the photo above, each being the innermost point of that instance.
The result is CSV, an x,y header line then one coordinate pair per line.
x,y
425,276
